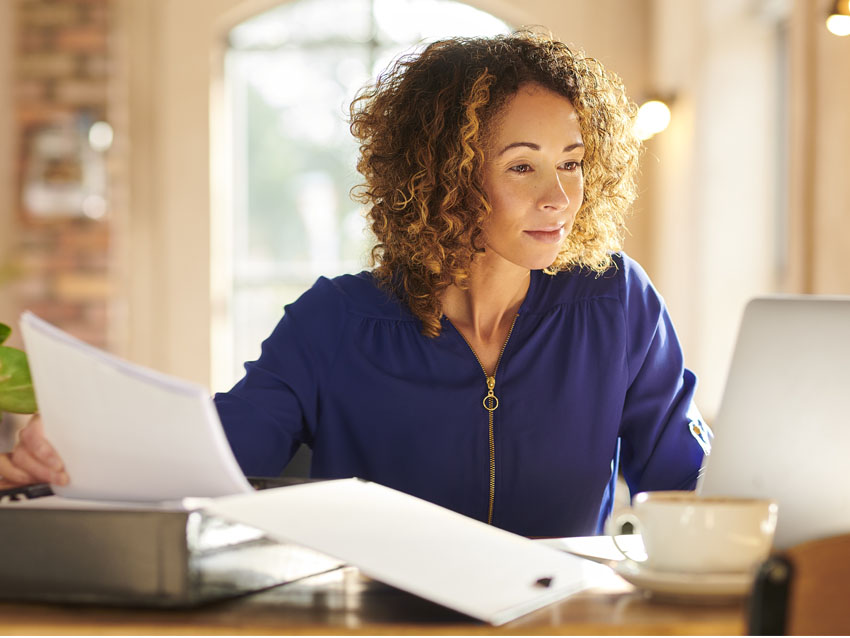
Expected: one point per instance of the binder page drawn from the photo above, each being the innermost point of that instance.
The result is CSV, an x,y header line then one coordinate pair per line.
x,y
126,433
414,545
62,503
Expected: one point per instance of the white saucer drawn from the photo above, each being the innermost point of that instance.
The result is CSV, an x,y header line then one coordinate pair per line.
x,y
709,587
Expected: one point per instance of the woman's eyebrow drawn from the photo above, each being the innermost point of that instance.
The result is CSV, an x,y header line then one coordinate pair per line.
x,y
536,147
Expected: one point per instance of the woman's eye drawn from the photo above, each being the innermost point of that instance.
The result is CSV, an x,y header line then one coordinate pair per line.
x,y
521,168
571,166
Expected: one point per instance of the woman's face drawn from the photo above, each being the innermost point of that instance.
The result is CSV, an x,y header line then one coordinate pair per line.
x,y
533,177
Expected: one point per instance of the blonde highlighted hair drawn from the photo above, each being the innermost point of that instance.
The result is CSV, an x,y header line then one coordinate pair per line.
x,y
423,126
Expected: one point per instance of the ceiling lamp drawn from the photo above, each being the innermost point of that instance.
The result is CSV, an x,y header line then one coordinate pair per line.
x,y
653,117
838,21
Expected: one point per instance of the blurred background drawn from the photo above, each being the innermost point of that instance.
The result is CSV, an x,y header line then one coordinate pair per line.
x,y
172,172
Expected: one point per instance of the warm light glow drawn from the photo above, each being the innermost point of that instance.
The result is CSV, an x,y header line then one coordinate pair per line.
x,y
100,136
653,117
838,24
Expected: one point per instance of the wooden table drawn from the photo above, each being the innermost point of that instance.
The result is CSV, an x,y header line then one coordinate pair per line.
x,y
345,602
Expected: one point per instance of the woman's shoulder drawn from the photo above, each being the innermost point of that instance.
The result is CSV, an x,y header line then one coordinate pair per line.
x,y
623,282
357,294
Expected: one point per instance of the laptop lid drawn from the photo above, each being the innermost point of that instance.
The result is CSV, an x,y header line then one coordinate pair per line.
x,y
782,430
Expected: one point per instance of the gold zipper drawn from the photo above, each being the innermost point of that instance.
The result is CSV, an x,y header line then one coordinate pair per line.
x,y
491,402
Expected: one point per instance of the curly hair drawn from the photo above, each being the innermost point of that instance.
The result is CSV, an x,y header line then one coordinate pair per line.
x,y
423,127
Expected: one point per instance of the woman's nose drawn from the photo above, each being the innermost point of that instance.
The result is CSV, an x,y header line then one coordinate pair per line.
x,y
553,194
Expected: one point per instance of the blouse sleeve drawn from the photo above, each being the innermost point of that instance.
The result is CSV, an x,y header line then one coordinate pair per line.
x,y
663,436
273,409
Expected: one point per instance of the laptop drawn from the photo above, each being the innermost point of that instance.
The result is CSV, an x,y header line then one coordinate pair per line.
x,y
783,428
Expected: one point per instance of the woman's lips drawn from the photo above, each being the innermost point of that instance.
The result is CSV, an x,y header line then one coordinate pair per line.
x,y
547,236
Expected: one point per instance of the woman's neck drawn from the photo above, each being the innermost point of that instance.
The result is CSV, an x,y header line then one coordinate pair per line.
x,y
484,311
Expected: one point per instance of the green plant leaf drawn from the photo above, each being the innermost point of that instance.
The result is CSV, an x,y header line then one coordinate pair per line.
x,y
16,391
5,331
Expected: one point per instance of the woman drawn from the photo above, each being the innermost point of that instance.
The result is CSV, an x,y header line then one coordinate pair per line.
x,y
502,359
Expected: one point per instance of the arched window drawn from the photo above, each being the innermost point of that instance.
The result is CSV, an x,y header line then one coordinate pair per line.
x,y
291,73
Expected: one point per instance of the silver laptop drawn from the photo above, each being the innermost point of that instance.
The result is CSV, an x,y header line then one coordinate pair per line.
x,y
783,429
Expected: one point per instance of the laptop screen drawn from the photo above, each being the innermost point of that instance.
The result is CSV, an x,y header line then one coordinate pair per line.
x,y
782,431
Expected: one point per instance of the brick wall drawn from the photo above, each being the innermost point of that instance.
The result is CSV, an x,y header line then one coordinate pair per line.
x,y
59,266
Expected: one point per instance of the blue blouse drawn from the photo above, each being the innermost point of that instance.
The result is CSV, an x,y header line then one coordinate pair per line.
x,y
592,376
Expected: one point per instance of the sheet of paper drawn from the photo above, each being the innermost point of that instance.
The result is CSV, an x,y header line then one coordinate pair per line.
x,y
126,433
600,547
61,503
427,550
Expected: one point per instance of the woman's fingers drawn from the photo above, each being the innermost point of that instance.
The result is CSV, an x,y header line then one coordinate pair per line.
x,y
25,461
33,440
33,459
11,475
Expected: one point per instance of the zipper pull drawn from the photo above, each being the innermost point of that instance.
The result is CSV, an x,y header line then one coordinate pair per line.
x,y
491,401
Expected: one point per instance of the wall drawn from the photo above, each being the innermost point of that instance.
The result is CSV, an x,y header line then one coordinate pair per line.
x,y
718,176
53,68
821,153
56,265
615,32
7,145
750,180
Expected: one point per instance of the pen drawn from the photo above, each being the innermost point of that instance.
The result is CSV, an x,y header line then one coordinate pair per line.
x,y
25,492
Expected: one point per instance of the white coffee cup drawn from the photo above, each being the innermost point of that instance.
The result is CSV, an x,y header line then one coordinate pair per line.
x,y
683,532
